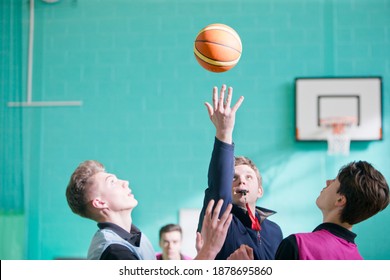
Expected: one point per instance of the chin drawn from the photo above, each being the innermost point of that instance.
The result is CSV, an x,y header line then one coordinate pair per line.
x,y
239,202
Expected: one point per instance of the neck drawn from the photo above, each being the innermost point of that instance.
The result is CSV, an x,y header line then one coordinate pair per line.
x,y
336,220
251,207
122,219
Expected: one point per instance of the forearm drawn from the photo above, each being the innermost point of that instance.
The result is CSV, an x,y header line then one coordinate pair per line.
x,y
224,135
221,172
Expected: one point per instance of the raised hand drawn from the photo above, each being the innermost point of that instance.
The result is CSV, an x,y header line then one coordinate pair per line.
x,y
222,115
214,230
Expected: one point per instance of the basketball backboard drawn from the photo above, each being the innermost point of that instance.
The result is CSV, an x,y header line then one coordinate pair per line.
x,y
318,99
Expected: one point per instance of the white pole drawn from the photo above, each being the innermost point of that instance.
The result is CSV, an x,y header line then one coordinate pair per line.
x,y
30,53
29,102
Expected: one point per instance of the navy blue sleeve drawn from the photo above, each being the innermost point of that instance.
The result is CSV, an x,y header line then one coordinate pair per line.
x,y
220,176
288,249
117,252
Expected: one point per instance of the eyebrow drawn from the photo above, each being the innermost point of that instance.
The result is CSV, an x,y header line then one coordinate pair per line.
x,y
246,173
110,175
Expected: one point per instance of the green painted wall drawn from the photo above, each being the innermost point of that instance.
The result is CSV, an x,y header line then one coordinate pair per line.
x,y
12,218
131,63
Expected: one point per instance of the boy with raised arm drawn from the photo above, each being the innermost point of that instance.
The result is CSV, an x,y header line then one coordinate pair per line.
x,y
237,181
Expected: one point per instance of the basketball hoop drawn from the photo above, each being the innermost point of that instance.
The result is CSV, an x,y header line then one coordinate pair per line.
x,y
338,137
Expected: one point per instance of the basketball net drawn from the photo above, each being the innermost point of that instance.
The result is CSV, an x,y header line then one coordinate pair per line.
x,y
338,136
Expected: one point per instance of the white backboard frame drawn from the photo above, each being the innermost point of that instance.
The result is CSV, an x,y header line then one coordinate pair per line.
x,y
318,98
188,220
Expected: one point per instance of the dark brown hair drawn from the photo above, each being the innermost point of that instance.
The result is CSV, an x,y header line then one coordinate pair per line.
x,y
365,189
169,228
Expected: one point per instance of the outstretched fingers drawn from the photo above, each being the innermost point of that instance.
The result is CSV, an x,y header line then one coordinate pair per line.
x,y
229,97
221,98
210,109
213,216
225,219
215,97
238,104
219,102
198,242
214,230
209,210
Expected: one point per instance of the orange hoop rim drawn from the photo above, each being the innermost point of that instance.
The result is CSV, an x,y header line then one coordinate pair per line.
x,y
338,124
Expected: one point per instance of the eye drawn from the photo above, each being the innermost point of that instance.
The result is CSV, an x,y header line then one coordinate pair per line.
x,y
113,180
234,178
249,177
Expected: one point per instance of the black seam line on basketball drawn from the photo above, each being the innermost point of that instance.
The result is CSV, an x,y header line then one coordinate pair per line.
x,y
205,41
234,34
223,30
214,59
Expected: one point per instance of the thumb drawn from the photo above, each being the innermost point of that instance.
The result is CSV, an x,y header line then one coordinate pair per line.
x,y
209,109
199,242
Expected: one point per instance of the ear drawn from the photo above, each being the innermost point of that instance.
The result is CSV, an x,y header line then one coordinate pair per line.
x,y
260,192
341,201
98,203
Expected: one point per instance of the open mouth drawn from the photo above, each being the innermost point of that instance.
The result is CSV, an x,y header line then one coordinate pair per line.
x,y
242,191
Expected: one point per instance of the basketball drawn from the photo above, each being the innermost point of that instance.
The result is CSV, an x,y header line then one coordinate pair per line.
x,y
217,47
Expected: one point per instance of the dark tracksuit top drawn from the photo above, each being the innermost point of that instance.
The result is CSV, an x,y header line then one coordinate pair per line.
x,y
220,178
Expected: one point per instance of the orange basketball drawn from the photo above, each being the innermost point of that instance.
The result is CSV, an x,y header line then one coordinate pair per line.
x,y
217,47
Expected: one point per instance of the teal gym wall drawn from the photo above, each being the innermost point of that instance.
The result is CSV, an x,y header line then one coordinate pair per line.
x,y
131,64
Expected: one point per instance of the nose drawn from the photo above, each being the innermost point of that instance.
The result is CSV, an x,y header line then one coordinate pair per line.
x,y
125,184
241,180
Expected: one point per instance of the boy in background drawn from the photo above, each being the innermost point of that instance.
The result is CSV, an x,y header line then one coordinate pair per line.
x,y
170,240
